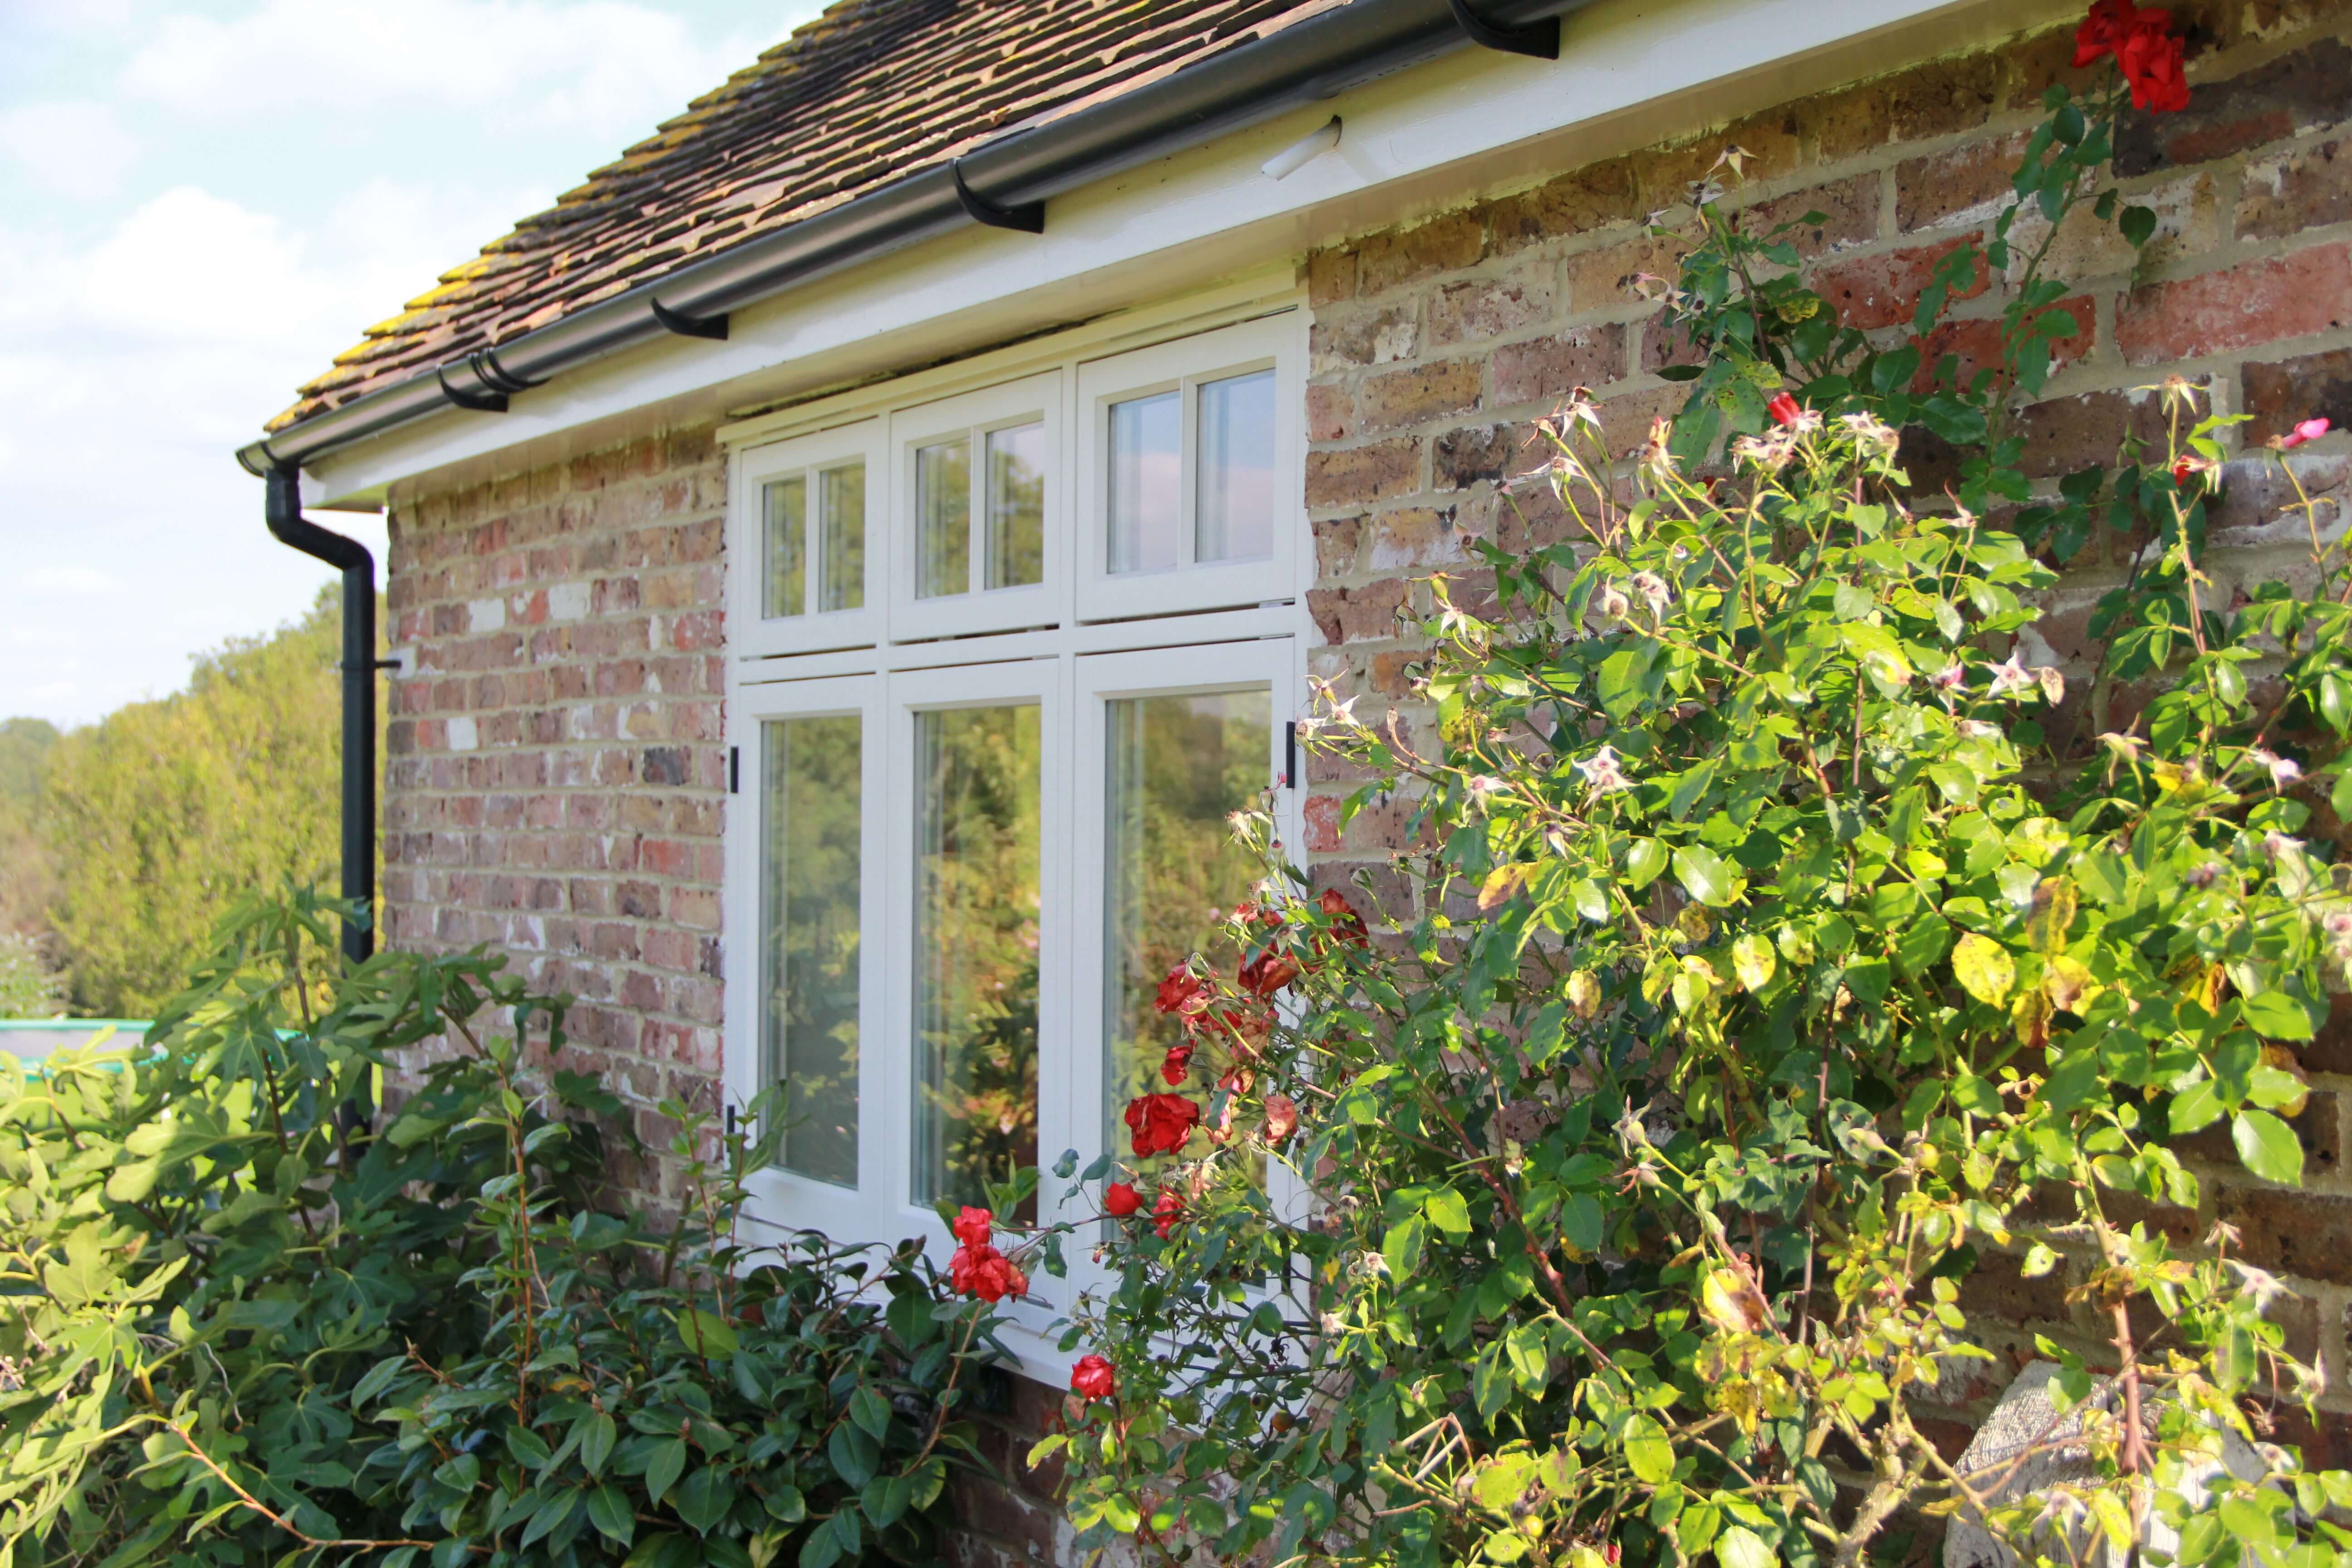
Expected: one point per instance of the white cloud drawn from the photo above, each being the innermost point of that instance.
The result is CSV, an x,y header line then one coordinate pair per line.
x,y
604,68
74,149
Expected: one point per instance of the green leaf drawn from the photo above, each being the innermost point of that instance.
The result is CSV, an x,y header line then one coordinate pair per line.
x,y
704,1498
2276,1014
1645,859
2199,1105
1402,1249
663,1468
2138,224
1983,968
870,1411
608,1510
597,1437
2267,1147
1753,961
1448,1212
1740,1547
1704,876
1647,1453
707,1334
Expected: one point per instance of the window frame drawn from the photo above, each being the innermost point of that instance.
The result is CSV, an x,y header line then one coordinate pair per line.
x,y
1184,364
973,416
759,636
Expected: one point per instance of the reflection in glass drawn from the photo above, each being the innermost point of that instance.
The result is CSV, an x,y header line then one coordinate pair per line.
x,y
785,504
1145,436
1178,765
841,529
943,518
1017,506
976,909
1235,481
809,890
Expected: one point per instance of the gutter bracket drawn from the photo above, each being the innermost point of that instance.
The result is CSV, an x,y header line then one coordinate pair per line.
x,y
479,402
686,326
1539,41
494,376
1029,217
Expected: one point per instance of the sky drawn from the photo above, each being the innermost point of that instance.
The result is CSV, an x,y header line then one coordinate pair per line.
x,y
202,202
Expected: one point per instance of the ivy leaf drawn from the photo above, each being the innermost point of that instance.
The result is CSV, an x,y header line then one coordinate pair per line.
x,y
2267,1147
1647,1453
1983,968
1704,876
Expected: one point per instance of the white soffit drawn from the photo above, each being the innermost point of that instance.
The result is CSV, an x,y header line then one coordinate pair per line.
x,y
1630,73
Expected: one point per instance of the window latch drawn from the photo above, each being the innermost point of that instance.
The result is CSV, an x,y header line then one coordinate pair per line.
x,y
1290,754
734,781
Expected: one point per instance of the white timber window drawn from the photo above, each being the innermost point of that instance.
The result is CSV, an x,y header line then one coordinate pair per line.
x,y
963,851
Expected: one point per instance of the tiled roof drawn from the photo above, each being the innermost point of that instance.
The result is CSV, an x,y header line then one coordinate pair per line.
x,y
870,92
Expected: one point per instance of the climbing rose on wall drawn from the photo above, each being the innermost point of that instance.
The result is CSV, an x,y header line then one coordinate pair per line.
x,y
1121,1200
1092,1377
978,1268
1172,1066
1165,1212
2145,49
974,1227
1160,1123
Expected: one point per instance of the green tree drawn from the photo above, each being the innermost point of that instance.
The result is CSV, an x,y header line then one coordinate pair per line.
x,y
28,880
161,815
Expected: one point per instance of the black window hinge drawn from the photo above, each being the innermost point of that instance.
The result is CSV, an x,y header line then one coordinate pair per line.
x,y
1290,754
734,769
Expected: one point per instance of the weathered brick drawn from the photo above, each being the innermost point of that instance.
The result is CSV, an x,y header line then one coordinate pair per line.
x,y
1331,278
1592,198
1364,337
1976,344
1969,183
1356,476
1330,413
1489,308
2307,88
2283,394
1356,615
1552,367
1412,538
1605,278
1337,540
1393,259
1938,99
2307,188
2288,1232
2267,301
1873,291
1415,396
1462,457
1845,214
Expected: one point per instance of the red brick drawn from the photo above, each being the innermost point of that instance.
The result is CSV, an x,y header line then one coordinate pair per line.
x,y
1604,280
1873,291
1969,182
2262,301
1846,212
1415,396
1356,615
1411,538
1330,413
1355,476
2294,1233
2309,188
1552,367
1976,344
2310,87
1489,308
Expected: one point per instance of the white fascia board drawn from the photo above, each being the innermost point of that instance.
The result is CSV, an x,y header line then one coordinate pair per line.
x,y
1630,73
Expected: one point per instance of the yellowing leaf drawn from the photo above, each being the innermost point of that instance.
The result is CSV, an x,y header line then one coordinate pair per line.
x,y
1501,885
2273,1056
1733,1303
1584,993
2053,913
1752,961
1983,968
2068,985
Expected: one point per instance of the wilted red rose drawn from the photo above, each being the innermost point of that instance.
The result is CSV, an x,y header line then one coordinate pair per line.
x,y
1346,924
1121,1200
2150,57
1173,1065
1182,991
978,1270
974,1227
1784,409
1281,1117
1165,1212
1092,1378
1160,1123
1268,973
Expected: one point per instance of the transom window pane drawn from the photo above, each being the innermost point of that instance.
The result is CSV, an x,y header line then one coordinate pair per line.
x,y
1179,766
784,588
809,890
1017,506
943,518
841,518
1235,482
1146,436
976,925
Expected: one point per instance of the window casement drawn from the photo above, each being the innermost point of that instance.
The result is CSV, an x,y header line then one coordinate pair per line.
x,y
962,856
811,558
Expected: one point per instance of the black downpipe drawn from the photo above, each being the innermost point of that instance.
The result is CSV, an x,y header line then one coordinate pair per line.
x,y
282,509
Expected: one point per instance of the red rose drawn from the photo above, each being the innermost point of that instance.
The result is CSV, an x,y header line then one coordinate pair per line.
x,y
1120,1200
1281,1117
1160,1123
978,1270
1183,991
973,1226
1091,1378
1783,408
1173,1065
2102,30
1268,973
1165,1212
2152,61
1345,921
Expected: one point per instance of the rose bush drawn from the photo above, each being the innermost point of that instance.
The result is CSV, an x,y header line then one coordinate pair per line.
x,y
1776,951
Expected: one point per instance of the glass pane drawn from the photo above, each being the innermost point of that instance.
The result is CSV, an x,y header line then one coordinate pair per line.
x,y
943,518
1017,506
786,504
1235,481
809,882
1144,437
1178,766
841,526
975,949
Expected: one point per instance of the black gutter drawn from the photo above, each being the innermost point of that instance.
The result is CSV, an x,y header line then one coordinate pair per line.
x,y
282,509
1005,183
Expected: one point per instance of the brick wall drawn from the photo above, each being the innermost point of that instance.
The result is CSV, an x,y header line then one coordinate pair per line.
x,y
555,774
1435,345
